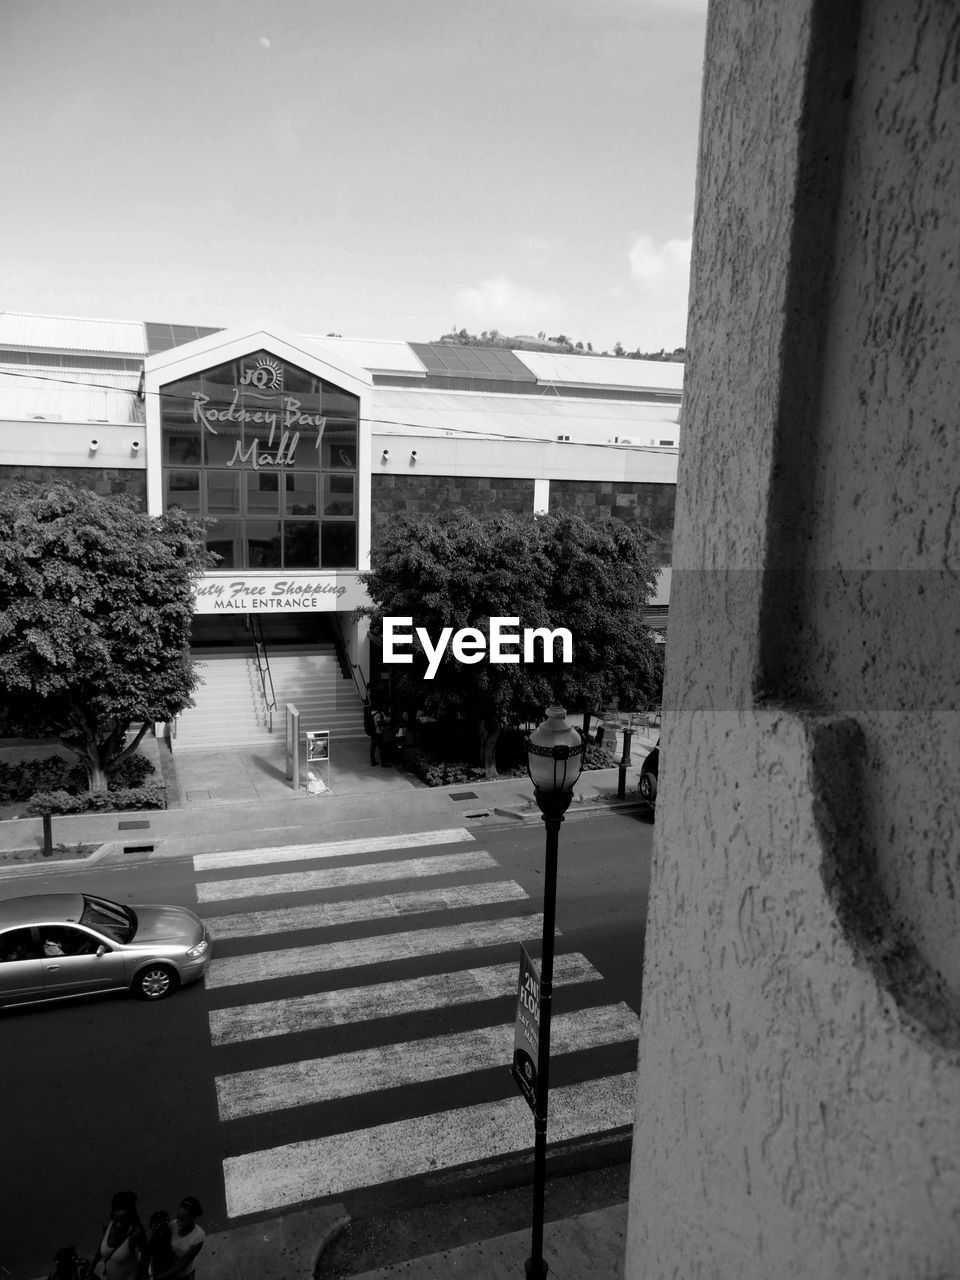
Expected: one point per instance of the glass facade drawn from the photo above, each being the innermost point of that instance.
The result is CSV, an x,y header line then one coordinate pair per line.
x,y
268,454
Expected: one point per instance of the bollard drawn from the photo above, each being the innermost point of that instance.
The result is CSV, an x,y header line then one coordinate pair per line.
x,y
47,835
624,764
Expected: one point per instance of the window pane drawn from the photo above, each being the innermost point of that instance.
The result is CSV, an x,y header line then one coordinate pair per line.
x,y
338,545
224,538
301,544
338,495
302,449
263,544
220,450
339,449
182,446
223,492
300,498
182,490
263,493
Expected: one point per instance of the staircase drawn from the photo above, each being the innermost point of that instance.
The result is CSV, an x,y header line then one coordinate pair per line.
x,y
309,676
230,710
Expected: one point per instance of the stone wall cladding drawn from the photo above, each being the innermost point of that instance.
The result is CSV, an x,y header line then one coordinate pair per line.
x,y
798,1091
104,481
646,503
423,495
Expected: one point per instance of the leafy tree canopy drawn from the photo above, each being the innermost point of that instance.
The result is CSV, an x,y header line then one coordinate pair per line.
x,y
557,570
95,606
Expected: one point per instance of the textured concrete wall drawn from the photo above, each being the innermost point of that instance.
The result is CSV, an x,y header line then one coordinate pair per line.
x,y
798,1104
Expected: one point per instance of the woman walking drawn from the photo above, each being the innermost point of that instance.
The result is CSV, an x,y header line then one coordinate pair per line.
x,y
119,1252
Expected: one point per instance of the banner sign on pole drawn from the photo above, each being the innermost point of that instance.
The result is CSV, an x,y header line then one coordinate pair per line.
x,y
526,1035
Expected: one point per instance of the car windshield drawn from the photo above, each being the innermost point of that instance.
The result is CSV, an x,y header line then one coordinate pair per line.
x,y
116,921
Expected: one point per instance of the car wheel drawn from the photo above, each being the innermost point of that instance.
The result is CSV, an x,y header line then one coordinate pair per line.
x,y
155,982
648,787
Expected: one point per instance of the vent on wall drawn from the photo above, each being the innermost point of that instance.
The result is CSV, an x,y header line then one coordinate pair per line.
x,y
563,438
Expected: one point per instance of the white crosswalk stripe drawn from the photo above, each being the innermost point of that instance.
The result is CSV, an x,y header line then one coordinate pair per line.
x,y
263,966
332,849
300,1084
386,893
247,924
320,1010
338,877
263,1181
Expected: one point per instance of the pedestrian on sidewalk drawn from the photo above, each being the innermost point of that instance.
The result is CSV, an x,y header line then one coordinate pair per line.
x,y
118,1255
376,734
387,741
160,1256
401,732
186,1241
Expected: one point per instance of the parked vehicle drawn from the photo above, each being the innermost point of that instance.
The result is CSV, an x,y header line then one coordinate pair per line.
x,y
57,945
649,777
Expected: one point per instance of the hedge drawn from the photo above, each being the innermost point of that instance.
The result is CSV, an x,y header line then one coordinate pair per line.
x,y
151,796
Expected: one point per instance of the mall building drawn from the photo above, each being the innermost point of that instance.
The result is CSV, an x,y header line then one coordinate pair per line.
x,y
300,449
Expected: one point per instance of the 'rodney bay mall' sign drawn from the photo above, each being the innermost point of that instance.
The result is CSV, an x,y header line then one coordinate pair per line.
x,y
282,420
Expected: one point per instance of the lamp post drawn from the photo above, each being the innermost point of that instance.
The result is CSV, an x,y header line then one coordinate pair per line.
x,y
554,760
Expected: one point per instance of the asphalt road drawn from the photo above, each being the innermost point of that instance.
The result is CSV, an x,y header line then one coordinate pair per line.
x,y
109,1093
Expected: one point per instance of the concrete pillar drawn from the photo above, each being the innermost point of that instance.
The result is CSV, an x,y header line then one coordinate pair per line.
x,y
798,1102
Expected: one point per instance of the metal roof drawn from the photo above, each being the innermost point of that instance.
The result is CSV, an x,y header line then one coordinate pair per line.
x,y
383,356
162,336
72,333
399,411
604,371
453,360
69,395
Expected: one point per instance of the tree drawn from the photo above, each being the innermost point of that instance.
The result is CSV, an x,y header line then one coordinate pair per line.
x,y
95,606
555,570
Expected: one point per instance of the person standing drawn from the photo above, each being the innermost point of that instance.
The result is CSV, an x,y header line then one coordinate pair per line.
x,y
186,1241
376,734
387,737
119,1253
401,735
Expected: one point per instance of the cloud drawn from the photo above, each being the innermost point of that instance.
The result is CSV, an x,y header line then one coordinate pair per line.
x,y
502,304
264,42
660,267
661,276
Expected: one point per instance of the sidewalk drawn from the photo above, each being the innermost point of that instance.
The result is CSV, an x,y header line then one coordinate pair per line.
x,y
588,1247
242,800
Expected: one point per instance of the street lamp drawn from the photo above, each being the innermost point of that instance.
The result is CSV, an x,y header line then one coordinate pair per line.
x,y
554,761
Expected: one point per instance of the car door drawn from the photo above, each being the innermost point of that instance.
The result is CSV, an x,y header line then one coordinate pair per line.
x,y
71,964
21,972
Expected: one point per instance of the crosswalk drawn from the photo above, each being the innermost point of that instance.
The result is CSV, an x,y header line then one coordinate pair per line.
x,y
360,991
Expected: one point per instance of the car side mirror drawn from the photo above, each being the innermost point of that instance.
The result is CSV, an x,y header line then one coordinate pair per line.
x,y
101,950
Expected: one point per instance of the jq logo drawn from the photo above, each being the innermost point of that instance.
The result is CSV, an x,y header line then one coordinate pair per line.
x,y
267,376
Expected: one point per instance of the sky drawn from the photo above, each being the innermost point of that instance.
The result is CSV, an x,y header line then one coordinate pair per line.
x,y
373,168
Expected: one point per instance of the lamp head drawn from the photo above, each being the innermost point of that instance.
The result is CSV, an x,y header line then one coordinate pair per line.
x,y
554,753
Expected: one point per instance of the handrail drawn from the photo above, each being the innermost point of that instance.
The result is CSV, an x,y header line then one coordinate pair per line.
x,y
361,684
263,669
